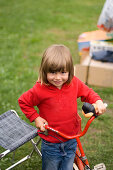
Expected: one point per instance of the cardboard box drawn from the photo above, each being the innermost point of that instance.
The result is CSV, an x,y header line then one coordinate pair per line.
x,y
85,38
83,54
95,73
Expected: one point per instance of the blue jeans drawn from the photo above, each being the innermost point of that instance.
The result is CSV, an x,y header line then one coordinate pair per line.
x,y
58,156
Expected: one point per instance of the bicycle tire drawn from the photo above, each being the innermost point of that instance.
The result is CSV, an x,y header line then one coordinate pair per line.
x,y
78,162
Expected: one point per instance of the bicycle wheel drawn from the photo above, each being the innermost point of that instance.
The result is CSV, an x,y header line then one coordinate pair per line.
x,y
75,167
77,162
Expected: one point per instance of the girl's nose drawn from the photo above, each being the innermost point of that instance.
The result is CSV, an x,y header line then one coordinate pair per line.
x,y
57,76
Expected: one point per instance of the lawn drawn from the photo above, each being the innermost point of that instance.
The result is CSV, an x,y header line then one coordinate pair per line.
x,y
27,27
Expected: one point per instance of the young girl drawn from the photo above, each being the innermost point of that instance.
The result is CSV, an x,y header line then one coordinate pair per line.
x,y
55,94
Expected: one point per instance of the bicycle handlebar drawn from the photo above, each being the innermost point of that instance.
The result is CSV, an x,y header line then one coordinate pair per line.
x,y
90,108
74,136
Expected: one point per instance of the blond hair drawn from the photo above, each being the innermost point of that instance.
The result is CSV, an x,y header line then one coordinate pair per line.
x,y
56,58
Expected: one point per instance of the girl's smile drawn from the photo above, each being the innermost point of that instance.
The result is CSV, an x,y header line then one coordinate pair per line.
x,y
57,78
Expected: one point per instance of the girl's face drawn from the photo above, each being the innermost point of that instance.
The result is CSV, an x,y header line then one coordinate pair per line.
x,y
57,78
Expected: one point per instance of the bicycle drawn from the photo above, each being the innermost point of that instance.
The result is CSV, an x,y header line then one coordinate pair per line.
x,y
81,161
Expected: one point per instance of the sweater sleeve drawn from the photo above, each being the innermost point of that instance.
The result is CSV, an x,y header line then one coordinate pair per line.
x,y
27,101
87,94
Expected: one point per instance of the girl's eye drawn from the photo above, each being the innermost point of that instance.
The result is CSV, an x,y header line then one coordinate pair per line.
x,y
53,72
63,72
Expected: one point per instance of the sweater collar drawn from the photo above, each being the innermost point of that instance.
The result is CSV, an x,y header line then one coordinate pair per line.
x,y
52,87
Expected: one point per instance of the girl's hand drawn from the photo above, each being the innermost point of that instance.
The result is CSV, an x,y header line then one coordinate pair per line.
x,y
40,122
100,107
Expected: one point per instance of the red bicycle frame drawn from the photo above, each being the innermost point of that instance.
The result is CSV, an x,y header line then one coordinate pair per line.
x,y
82,162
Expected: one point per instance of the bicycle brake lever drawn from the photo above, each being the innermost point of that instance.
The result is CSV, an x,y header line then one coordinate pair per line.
x,y
46,131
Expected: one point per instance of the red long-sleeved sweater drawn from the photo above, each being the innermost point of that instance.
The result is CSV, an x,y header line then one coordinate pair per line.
x,y
58,107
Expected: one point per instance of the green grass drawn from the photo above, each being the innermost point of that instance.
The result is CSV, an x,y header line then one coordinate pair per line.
x,y
26,29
